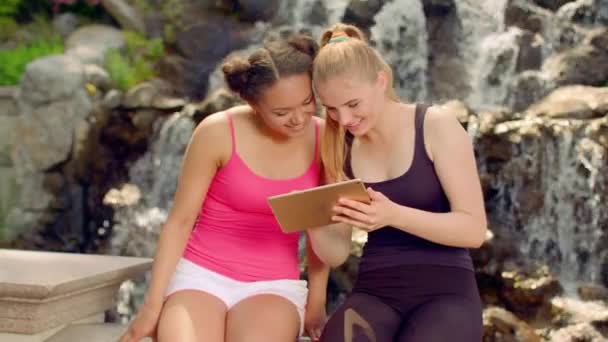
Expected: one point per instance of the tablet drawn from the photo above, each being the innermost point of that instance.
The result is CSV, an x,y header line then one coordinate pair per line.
x,y
300,210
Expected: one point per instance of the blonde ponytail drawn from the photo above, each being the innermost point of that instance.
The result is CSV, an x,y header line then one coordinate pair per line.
x,y
350,54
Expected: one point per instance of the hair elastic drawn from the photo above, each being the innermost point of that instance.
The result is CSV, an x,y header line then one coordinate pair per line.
x,y
338,37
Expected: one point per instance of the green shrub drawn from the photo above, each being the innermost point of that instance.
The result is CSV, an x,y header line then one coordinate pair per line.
x,y
137,62
9,7
8,28
14,61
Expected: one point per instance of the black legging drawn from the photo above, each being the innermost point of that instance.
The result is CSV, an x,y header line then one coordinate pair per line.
x,y
413,303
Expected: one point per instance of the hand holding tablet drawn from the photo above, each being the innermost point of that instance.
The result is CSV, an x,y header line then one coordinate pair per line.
x,y
301,210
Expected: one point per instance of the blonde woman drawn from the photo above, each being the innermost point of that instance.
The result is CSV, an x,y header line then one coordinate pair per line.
x,y
416,280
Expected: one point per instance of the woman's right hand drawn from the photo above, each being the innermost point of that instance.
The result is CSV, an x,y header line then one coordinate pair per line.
x,y
143,325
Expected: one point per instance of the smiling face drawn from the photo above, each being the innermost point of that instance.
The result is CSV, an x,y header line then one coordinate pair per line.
x,y
353,102
288,105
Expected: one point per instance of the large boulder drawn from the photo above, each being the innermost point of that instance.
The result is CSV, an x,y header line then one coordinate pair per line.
x,y
89,44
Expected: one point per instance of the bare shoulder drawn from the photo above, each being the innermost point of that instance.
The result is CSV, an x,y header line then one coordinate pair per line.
x,y
438,117
441,127
213,134
212,126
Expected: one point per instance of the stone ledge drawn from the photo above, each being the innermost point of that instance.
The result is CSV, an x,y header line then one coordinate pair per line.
x,y
99,333
43,336
90,333
43,290
9,91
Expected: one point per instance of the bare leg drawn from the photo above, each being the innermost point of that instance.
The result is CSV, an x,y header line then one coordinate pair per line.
x,y
192,316
263,318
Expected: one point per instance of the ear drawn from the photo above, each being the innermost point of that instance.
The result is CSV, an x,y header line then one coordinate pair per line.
x,y
382,81
254,105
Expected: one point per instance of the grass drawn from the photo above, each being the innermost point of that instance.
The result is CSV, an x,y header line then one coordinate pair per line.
x,y
13,61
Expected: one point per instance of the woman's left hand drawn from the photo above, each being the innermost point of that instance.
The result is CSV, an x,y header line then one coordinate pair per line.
x,y
315,321
369,217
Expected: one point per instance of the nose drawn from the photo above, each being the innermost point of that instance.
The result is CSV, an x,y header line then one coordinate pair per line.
x,y
299,116
344,118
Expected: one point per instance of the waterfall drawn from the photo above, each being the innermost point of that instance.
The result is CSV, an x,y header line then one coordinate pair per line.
x,y
494,68
401,37
153,181
482,23
551,197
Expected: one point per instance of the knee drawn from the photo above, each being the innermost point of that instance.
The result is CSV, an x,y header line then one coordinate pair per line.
x,y
263,334
175,325
170,328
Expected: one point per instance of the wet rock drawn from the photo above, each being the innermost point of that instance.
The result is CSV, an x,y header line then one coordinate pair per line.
x,y
579,332
527,292
575,102
501,325
144,94
551,4
526,89
219,100
572,66
255,10
593,292
361,13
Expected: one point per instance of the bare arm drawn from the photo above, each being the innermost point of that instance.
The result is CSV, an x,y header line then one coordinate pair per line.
x,y
318,274
331,243
452,153
201,161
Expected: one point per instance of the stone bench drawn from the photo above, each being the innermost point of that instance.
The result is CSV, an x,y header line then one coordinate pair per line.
x,y
62,297
43,292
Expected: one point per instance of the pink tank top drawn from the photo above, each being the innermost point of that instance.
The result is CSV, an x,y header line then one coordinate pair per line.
x,y
236,234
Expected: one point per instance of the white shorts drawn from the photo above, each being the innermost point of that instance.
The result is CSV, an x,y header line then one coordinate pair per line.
x,y
190,276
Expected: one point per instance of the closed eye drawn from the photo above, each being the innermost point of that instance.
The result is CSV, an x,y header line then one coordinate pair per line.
x,y
353,105
308,100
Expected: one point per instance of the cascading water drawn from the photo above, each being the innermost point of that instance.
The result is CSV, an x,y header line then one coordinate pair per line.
x,y
488,52
494,68
154,179
400,36
551,197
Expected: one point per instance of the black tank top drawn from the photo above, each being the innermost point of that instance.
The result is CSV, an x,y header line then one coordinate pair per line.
x,y
419,188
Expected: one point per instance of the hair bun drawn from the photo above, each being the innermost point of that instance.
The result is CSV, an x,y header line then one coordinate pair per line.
x,y
304,44
236,72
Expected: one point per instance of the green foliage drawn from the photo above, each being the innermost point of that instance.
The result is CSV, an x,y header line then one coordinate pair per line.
x,y
13,33
13,61
171,11
8,28
137,62
138,45
9,7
